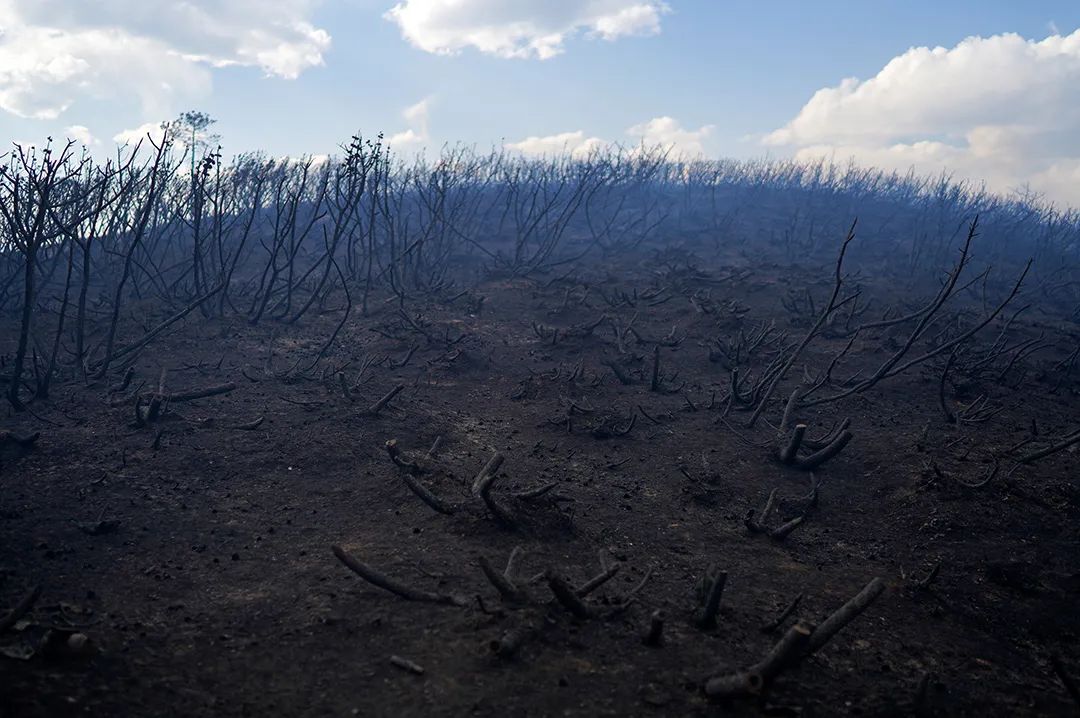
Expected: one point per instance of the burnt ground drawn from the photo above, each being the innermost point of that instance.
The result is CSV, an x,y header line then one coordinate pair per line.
x,y
194,551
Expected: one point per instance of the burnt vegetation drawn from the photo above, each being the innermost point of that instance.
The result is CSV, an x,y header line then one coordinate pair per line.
x,y
483,434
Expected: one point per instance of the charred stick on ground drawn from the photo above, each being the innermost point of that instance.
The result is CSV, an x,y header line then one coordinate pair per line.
x,y
655,635
395,587
22,608
754,680
717,581
381,403
800,641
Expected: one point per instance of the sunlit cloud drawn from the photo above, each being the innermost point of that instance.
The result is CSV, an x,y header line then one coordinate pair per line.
x,y
522,29
1001,109
54,53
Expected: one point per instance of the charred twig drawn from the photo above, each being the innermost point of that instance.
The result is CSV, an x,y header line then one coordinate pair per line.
x,y
1061,445
22,608
779,621
647,415
427,496
781,531
690,405
407,357
533,494
824,448
346,392
898,362
844,615
115,401
567,596
399,460
504,582
406,665
800,641
395,587
193,394
250,425
924,583
827,439
789,409
573,599
754,680
511,641
125,382
659,379
789,452
483,485
300,402
831,307
414,470
921,689
487,474
811,498
605,428
989,476
630,595
716,580
381,403
758,525
655,635
597,581
620,373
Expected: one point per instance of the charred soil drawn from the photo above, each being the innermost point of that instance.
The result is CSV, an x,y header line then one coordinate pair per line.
x,y
182,543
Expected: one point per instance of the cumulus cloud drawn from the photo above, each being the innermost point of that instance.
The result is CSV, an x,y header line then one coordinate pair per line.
x,y
150,130
666,132
522,28
575,144
54,52
1000,109
43,71
82,135
416,117
316,160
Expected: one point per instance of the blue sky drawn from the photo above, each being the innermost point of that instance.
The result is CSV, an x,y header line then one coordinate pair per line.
x,y
300,76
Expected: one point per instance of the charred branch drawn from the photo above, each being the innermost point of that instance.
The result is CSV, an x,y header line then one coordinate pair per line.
x,y
394,586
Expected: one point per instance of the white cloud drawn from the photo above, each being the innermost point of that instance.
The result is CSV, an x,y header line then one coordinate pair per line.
x,y
82,135
316,160
576,144
666,132
406,138
1001,109
522,28
416,116
43,71
55,52
150,130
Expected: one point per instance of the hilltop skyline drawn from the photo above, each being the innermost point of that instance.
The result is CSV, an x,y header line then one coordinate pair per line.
x,y
984,90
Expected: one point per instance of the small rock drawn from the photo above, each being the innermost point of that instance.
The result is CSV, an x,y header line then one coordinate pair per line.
x,y
78,644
